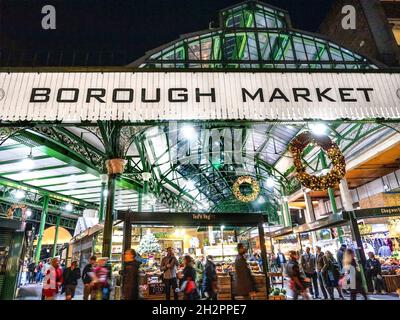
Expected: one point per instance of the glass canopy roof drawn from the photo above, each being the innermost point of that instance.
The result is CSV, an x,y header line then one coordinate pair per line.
x,y
253,35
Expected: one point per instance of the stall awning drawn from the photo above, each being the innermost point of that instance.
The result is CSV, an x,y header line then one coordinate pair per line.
x,y
325,223
192,219
280,233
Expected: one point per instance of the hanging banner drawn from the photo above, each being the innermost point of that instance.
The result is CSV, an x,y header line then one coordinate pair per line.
x,y
74,97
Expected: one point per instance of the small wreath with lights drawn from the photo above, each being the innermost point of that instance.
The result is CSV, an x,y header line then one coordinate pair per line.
x,y
324,182
247,180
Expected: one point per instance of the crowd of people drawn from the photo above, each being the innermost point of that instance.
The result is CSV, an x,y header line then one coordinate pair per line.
x,y
311,273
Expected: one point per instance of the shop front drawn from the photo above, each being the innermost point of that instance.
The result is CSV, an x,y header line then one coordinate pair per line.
x,y
379,230
12,236
196,235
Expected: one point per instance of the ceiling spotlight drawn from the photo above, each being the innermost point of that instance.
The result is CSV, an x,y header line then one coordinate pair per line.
x,y
19,194
28,212
261,200
27,164
69,207
318,129
188,132
105,193
270,182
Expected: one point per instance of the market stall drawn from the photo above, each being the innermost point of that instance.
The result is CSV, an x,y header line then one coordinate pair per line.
x,y
224,251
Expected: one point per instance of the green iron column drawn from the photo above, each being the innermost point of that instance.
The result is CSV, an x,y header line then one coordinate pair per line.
x,y
287,219
103,194
331,194
41,227
56,235
108,221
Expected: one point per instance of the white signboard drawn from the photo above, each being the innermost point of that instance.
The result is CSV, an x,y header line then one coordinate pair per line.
x,y
75,97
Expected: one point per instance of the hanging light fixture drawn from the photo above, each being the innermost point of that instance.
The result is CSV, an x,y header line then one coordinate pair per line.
x,y
270,182
69,207
28,163
19,194
318,129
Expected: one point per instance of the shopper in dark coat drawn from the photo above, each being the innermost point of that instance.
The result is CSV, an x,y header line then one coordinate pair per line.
x,y
71,276
319,262
210,279
88,289
188,281
374,272
331,274
130,276
340,255
244,283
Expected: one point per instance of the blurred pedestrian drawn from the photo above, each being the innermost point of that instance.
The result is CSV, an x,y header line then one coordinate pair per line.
x,y
71,277
309,268
52,280
210,280
319,262
352,279
101,279
331,274
87,279
168,267
130,275
199,267
244,284
188,281
298,283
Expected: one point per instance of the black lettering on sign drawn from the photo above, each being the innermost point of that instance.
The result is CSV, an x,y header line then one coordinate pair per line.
x,y
323,94
366,94
301,93
179,97
200,94
98,94
157,99
61,91
253,97
116,98
40,95
278,94
345,95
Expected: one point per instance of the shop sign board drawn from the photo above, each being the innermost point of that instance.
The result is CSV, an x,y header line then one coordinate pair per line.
x,y
156,288
74,97
377,212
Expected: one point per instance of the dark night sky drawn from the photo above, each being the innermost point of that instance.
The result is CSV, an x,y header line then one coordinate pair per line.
x,y
125,25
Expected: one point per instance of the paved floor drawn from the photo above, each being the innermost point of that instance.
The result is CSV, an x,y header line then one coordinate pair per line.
x,y
33,292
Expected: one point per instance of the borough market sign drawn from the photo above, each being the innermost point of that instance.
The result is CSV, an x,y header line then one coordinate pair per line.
x,y
73,97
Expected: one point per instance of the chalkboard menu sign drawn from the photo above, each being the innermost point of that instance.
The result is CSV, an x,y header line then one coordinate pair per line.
x,y
156,288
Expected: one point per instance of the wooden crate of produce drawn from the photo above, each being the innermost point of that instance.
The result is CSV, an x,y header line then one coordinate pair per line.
x,y
392,283
225,287
277,298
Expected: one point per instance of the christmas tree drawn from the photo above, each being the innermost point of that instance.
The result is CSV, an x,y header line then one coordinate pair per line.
x,y
148,244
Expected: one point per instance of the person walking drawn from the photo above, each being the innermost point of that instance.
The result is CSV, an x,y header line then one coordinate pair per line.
x,y
199,267
168,266
87,279
298,282
352,275
374,271
308,265
281,261
188,281
71,276
210,280
52,280
101,279
130,275
319,261
31,270
244,284
331,274
39,272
